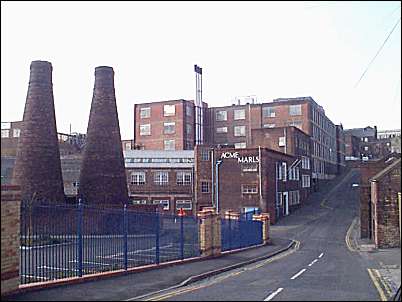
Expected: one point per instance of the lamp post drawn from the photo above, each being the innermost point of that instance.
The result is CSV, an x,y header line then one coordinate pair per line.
x,y
217,163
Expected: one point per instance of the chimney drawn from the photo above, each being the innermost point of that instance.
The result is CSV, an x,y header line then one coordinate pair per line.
x,y
37,167
103,177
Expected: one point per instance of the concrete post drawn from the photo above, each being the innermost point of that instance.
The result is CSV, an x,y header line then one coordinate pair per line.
x,y
264,218
10,238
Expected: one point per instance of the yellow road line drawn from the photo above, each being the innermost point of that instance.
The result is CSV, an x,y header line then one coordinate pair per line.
x,y
347,237
220,279
325,206
383,282
377,285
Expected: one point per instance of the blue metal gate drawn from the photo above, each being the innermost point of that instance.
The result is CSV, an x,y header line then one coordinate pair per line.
x,y
64,240
240,233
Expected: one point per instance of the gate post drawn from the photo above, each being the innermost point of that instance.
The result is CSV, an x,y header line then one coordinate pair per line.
x,y
209,232
79,235
10,238
125,226
264,218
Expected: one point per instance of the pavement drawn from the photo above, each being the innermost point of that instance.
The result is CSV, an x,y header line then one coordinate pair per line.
x,y
133,285
385,264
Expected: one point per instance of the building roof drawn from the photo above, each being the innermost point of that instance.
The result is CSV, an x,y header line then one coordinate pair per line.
x,y
361,132
158,159
387,170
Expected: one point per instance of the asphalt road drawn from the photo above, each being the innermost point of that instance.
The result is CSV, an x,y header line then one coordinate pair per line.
x,y
322,268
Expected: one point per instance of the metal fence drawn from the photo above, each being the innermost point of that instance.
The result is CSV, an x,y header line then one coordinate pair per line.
x,y
62,240
240,233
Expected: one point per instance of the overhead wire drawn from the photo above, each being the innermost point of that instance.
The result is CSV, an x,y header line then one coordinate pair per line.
x,y
382,46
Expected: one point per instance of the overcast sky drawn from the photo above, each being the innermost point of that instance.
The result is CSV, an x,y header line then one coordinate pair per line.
x,y
268,49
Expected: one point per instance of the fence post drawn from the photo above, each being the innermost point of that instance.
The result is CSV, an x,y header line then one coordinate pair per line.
x,y
230,233
157,239
79,231
125,226
181,238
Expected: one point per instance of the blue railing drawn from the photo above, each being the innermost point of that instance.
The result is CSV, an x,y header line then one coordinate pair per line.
x,y
62,240
240,233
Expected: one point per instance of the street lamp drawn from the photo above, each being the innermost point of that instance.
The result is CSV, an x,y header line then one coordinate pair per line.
x,y
217,163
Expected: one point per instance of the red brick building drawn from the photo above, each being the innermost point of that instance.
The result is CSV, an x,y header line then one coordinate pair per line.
x,y
233,125
248,178
166,125
161,177
340,149
385,187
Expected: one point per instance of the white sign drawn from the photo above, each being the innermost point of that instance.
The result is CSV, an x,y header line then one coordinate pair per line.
x,y
242,159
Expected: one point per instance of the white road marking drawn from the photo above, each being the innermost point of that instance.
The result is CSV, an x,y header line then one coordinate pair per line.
x,y
271,296
314,261
298,274
322,254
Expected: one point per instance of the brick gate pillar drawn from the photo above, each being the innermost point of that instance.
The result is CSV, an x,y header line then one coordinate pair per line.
x,y
209,232
10,238
264,218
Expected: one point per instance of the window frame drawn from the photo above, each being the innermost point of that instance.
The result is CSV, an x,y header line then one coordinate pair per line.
x,y
145,109
218,113
243,115
148,132
159,178
184,201
242,133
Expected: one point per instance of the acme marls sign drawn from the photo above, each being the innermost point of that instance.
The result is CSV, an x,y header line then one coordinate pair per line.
x,y
240,159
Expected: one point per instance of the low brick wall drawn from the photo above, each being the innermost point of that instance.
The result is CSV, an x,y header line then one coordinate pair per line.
x,y
10,236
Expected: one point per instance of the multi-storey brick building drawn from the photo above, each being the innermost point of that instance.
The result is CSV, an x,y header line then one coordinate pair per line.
x,y
161,177
233,125
247,178
340,149
289,140
166,125
310,117
367,144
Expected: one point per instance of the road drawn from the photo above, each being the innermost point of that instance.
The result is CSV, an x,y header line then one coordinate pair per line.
x,y
321,268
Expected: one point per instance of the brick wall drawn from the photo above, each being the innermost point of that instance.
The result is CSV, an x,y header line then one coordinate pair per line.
x,y
10,234
384,195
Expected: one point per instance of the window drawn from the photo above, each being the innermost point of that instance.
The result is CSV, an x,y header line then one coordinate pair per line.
x,y
297,173
297,124
249,189
279,201
169,110
184,204
366,139
188,145
145,112
169,144
183,178
282,171
145,129
269,125
139,201
366,148
295,110
165,203
221,115
205,154
169,128
268,111
222,130
205,187
305,163
127,146
249,168
305,181
16,132
239,130
240,145
161,178
5,133
281,141
138,178
239,114
189,110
